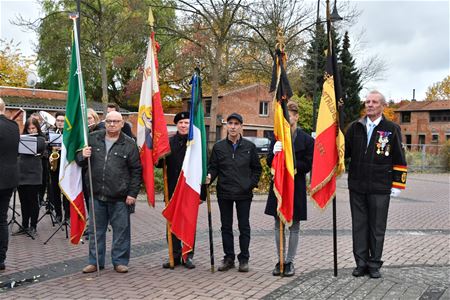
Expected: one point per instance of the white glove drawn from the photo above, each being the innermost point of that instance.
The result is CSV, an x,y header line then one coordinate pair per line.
x,y
395,192
277,147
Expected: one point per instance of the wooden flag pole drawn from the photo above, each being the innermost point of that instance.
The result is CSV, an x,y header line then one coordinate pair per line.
x,y
168,229
211,244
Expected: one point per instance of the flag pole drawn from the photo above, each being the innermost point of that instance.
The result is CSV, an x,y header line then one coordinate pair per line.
x,y
331,48
168,226
84,120
211,244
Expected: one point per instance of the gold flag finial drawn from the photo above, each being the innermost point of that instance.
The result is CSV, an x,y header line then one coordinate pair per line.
x,y
280,39
151,20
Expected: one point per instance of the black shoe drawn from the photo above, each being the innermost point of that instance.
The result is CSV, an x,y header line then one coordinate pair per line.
x,y
276,270
289,270
2,266
226,265
359,271
243,266
189,264
374,273
176,262
22,230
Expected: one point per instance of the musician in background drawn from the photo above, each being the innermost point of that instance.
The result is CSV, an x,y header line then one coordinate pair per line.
x,y
9,178
93,119
54,160
30,179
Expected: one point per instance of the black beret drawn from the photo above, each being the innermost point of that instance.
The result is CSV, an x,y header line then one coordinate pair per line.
x,y
180,116
235,116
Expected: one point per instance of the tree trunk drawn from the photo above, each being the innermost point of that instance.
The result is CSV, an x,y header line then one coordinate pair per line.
x,y
214,96
104,76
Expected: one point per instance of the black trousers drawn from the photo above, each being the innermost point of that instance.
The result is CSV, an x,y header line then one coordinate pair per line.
x,y
5,196
177,249
226,218
56,197
29,204
369,219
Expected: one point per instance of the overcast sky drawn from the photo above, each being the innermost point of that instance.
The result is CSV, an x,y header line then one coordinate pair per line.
x,y
411,37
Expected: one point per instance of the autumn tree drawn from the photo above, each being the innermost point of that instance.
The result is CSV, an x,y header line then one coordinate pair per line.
x,y
439,90
114,36
13,65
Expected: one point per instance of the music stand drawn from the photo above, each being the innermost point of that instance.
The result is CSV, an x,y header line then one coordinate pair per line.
x,y
61,224
13,218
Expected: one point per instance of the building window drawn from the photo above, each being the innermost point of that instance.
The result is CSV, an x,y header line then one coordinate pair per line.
x,y
421,139
406,117
408,141
263,108
440,116
207,108
435,138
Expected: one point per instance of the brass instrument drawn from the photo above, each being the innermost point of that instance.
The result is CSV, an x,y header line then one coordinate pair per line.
x,y
54,157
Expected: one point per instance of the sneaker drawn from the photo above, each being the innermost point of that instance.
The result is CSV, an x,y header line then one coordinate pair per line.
x,y
121,269
226,265
374,273
276,271
243,266
32,231
188,264
289,270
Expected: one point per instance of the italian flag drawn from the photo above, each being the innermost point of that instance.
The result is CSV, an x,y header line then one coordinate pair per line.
x,y
182,210
74,139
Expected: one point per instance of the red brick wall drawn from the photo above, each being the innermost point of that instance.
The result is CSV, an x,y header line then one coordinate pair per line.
x,y
420,124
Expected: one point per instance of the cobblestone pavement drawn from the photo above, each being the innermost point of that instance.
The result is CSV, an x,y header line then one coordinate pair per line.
x,y
416,257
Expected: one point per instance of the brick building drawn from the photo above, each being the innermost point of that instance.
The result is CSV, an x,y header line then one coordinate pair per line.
x,y
51,101
425,122
253,102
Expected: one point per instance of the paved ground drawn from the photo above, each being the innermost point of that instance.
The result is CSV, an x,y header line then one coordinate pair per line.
x,y
416,257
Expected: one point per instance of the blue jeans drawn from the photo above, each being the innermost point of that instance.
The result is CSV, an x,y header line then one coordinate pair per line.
x,y
116,214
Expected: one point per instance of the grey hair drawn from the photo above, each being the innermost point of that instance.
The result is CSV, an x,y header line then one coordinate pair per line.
x,y
382,98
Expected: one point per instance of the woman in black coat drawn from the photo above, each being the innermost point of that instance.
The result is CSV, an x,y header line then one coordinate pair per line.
x,y
30,179
303,151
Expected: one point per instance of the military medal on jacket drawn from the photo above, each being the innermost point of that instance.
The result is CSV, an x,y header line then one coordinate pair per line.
x,y
382,144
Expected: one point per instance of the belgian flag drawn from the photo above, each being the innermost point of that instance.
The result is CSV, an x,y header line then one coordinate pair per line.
x,y
283,164
329,147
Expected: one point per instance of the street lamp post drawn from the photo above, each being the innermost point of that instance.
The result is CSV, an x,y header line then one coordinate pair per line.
x,y
333,18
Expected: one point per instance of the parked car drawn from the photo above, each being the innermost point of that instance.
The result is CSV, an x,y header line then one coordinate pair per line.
x,y
262,144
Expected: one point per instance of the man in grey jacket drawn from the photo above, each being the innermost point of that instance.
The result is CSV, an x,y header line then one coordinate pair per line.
x,y
116,180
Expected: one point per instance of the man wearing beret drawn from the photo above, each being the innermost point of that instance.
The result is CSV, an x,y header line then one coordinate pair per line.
x,y
174,163
235,162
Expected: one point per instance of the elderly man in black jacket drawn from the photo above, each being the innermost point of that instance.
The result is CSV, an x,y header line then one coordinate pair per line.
x,y
377,171
235,162
303,150
9,179
116,180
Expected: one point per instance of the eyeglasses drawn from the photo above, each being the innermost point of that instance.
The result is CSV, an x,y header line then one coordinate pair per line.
x,y
109,122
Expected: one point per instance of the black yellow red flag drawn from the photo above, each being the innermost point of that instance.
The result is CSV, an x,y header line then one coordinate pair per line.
x,y
329,147
283,164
